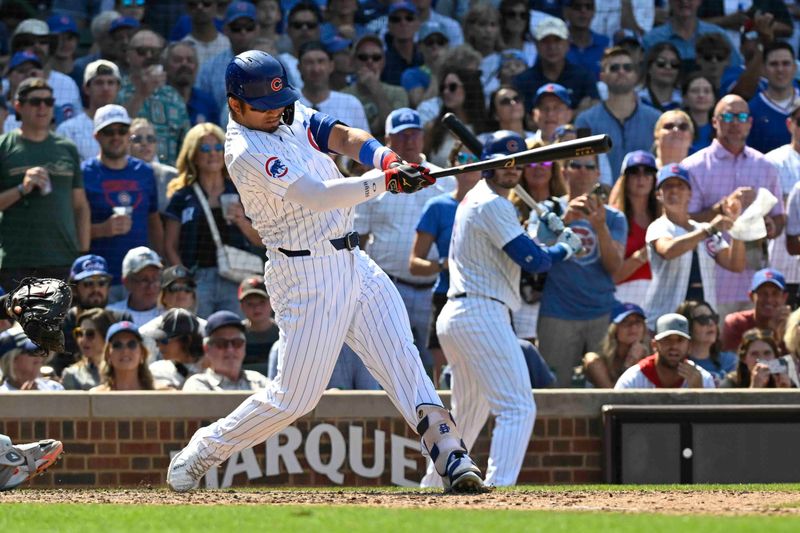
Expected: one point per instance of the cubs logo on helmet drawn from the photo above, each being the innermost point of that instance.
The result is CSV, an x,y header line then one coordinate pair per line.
x,y
500,143
275,168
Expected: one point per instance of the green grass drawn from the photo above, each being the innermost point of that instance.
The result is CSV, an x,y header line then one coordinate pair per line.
x,y
251,519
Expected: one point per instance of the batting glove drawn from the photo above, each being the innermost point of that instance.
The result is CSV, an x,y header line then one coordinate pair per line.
x,y
408,178
389,160
570,241
553,222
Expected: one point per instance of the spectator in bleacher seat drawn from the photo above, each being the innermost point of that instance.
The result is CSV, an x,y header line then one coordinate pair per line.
x,y
181,64
515,29
224,346
143,146
420,81
507,112
23,65
65,32
586,47
713,55
748,80
551,109
612,16
552,66
672,136
207,40
261,331
303,26
733,16
124,360
340,16
20,365
316,66
625,344
791,339
32,35
698,101
45,223
482,33
110,44
141,275
134,9
662,69
401,50
451,26
669,366
101,83
578,294
682,252
632,42
772,106
89,336
634,194
144,93
341,51
784,249
622,116
682,29
241,27
512,64
730,170
270,20
122,194
706,349
757,351
462,57
386,226
181,345
769,310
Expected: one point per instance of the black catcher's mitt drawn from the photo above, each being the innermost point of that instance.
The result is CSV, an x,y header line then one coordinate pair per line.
x,y
44,303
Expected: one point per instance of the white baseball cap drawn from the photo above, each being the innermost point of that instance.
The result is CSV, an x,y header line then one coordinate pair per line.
x,y
138,259
551,26
110,114
98,68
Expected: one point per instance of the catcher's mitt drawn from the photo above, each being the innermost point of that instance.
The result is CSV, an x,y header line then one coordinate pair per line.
x,y
44,303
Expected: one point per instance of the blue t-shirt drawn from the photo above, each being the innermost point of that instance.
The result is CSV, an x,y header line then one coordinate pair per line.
x,y
438,217
727,363
769,124
580,288
589,57
133,186
202,107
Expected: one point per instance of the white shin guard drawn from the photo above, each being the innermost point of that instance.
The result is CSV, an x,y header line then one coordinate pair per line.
x,y
439,434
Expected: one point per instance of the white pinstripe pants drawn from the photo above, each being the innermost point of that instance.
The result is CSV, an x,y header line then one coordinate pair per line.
x,y
489,375
319,303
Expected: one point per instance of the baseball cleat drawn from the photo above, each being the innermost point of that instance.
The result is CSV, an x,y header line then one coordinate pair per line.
x,y
463,475
185,471
21,462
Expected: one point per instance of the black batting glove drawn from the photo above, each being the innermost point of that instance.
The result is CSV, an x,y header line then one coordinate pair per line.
x,y
407,178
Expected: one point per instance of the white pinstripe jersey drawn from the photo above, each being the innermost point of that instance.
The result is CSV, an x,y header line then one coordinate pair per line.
x,y
263,165
485,222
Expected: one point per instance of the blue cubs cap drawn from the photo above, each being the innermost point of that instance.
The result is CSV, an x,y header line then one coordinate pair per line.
x,y
672,171
626,35
221,319
120,327
238,10
512,54
431,27
62,24
402,119
402,6
124,22
20,58
556,90
87,266
768,275
337,44
639,158
623,311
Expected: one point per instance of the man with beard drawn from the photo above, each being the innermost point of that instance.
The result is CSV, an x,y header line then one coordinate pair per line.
x,y
181,63
670,366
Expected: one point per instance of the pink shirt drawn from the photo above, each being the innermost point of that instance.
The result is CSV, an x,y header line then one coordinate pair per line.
x,y
715,173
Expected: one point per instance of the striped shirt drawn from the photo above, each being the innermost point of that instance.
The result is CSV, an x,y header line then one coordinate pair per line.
x,y
80,130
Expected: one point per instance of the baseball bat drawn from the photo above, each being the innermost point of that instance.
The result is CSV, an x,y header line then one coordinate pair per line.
x,y
595,144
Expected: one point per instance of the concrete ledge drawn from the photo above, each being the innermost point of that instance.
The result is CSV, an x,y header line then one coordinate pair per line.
x,y
38,405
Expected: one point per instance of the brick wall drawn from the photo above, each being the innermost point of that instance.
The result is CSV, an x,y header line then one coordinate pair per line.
x,y
122,439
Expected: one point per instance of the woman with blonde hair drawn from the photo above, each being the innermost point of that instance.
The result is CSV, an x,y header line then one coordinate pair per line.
x,y
792,341
673,134
124,360
188,236
625,344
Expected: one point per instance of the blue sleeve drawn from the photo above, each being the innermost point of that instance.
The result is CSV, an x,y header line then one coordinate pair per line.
x,y
321,126
618,227
428,222
528,255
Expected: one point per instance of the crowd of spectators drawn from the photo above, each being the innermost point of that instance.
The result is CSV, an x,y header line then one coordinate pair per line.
x,y
112,176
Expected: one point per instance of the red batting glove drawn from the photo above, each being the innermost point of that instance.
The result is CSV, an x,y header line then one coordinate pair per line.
x,y
389,160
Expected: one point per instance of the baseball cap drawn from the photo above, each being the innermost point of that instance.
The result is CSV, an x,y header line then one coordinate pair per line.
x,y
623,311
556,90
98,68
239,10
402,6
672,324
337,44
431,27
31,27
512,54
637,158
20,58
87,266
119,327
768,275
672,171
32,84
11,341
402,119
253,285
123,22
551,26
626,35
172,274
62,24
221,319
177,322
110,114
139,258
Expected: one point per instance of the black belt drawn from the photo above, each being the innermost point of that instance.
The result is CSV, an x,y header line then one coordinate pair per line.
x,y
464,295
348,242
401,281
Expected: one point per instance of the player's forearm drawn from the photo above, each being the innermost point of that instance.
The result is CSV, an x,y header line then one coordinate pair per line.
x,y
349,141
335,194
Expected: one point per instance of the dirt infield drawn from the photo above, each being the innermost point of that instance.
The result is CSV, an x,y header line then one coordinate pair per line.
x,y
680,501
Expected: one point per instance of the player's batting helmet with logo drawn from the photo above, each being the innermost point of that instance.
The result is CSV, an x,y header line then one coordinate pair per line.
x,y
260,80
500,143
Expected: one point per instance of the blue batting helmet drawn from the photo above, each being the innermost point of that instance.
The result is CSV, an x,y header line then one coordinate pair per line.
x,y
260,80
503,142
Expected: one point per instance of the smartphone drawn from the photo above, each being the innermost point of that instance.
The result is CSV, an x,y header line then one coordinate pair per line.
x,y
600,192
777,366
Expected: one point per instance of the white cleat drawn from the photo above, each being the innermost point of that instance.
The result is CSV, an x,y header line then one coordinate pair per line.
x,y
463,475
185,471
21,462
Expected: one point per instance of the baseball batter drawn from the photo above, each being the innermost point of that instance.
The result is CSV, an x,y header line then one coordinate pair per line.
x,y
324,289
487,252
